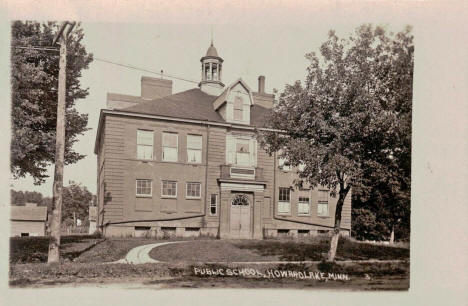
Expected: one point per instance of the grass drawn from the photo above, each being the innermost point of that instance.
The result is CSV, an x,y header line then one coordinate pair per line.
x,y
315,249
312,249
384,275
35,249
207,251
178,272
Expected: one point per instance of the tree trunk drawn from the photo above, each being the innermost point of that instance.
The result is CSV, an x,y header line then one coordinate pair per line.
x,y
392,235
336,231
55,222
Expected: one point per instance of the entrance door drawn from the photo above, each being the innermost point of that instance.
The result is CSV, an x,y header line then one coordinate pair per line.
x,y
240,216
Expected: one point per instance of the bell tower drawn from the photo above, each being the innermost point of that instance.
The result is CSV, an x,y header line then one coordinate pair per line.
x,y
211,72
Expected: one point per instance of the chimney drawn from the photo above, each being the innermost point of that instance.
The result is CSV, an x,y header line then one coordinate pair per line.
x,y
154,88
261,84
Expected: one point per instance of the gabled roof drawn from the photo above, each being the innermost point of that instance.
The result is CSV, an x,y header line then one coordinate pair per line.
x,y
222,98
189,104
26,213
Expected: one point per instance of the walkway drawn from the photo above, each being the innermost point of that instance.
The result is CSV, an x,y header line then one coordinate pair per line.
x,y
140,255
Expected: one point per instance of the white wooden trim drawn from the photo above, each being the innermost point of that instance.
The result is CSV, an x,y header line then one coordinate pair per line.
x,y
242,187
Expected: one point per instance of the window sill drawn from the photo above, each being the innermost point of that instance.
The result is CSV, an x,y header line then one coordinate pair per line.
x,y
324,217
144,196
303,215
168,197
284,214
145,160
192,198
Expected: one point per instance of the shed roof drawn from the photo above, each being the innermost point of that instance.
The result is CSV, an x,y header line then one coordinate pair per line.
x,y
27,213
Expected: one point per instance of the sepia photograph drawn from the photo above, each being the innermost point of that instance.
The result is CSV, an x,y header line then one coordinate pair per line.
x,y
215,180
211,155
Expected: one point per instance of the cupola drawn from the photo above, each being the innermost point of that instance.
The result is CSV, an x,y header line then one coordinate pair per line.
x,y
211,72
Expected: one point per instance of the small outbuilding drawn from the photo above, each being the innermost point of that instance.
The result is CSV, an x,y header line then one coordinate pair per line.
x,y
28,220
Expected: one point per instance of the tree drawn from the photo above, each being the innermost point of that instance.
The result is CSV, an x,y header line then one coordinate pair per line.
x,y
34,74
350,123
76,202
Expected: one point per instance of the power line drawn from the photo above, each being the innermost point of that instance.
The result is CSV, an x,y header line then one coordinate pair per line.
x,y
124,65
146,70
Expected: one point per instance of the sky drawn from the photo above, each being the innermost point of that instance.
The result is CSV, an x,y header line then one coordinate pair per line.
x,y
277,52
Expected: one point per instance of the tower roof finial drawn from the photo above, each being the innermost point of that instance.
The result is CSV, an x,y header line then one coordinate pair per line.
x,y
211,34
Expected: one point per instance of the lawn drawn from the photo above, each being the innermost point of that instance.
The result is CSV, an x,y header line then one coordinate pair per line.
x,y
88,267
274,250
362,276
35,249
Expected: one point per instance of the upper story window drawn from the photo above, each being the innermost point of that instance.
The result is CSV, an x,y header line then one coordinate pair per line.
x,y
144,144
238,109
170,147
283,164
241,151
284,200
322,205
143,188
194,149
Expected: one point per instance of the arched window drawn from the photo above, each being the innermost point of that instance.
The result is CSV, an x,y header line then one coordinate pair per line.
x,y
240,200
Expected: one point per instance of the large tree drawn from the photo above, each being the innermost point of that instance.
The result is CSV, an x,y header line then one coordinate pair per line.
x,y
350,123
34,75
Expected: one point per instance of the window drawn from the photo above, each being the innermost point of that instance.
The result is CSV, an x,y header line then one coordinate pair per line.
x,y
143,188
284,200
194,148
169,189
238,109
144,144
322,205
213,204
243,152
170,149
193,190
303,207
283,164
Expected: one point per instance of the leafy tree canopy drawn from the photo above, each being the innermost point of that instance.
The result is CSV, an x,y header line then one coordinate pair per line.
x,y
76,199
349,124
34,74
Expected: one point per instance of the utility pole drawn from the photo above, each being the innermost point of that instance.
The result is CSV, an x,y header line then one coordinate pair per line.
x,y
56,219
